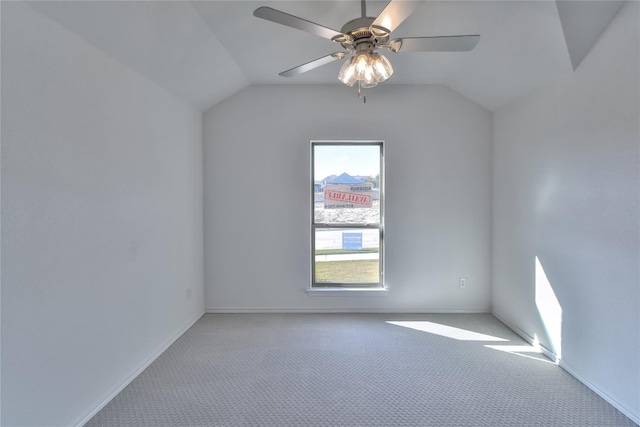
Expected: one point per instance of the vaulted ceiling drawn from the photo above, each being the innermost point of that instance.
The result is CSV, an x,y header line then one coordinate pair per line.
x,y
204,51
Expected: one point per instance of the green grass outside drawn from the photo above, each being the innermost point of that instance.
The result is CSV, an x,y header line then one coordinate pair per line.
x,y
353,271
346,251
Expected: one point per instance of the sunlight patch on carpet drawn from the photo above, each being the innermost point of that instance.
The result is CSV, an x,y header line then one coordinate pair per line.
x,y
527,351
446,331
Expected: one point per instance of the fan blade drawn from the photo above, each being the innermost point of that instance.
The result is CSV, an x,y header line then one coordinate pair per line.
x,y
279,17
435,44
394,13
313,64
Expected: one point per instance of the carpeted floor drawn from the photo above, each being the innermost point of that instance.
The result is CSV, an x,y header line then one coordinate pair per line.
x,y
355,370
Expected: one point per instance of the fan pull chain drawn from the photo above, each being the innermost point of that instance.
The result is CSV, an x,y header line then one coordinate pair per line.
x,y
361,93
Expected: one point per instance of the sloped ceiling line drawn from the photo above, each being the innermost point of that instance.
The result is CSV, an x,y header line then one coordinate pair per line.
x,y
205,51
582,24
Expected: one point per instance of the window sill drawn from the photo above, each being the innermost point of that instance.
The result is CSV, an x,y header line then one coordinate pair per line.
x,y
335,292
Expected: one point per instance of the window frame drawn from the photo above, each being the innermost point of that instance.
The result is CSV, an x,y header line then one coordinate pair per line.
x,y
380,284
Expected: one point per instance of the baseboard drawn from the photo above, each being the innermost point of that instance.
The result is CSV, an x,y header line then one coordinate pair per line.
x,y
338,310
129,378
573,372
620,407
550,354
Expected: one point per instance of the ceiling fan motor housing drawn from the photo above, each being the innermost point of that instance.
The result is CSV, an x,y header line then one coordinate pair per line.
x,y
359,30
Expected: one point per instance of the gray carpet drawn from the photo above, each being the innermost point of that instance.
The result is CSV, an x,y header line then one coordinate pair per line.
x,y
354,370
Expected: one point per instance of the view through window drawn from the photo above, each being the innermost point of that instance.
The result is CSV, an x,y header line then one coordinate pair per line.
x,y
347,222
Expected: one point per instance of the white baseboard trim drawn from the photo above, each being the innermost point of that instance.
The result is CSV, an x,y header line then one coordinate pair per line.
x,y
133,375
522,334
620,407
574,372
249,310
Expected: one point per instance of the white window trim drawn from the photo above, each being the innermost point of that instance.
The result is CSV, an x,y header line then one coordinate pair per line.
x,y
372,290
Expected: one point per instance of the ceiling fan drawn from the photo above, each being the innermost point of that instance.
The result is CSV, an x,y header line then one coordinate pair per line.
x,y
361,37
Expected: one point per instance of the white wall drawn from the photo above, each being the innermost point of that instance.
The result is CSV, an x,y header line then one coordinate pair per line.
x,y
566,190
257,196
101,221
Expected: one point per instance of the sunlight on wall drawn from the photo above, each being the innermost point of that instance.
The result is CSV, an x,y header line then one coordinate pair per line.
x,y
446,331
549,309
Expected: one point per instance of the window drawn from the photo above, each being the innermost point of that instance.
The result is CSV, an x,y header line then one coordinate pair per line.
x,y
347,214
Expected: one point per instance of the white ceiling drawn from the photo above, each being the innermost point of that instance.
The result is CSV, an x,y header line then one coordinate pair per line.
x,y
204,51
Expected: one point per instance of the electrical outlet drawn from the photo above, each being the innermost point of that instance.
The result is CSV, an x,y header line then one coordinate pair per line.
x,y
463,282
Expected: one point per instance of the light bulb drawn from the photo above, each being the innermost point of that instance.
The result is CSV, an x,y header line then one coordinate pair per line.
x,y
362,62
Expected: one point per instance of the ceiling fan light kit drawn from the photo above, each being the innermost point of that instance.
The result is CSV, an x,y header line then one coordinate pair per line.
x,y
368,68
361,37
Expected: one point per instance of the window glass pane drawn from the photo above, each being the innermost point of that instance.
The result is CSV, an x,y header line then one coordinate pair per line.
x,y
346,184
347,256
347,214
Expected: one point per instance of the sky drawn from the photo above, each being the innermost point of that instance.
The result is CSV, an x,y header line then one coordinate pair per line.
x,y
354,159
